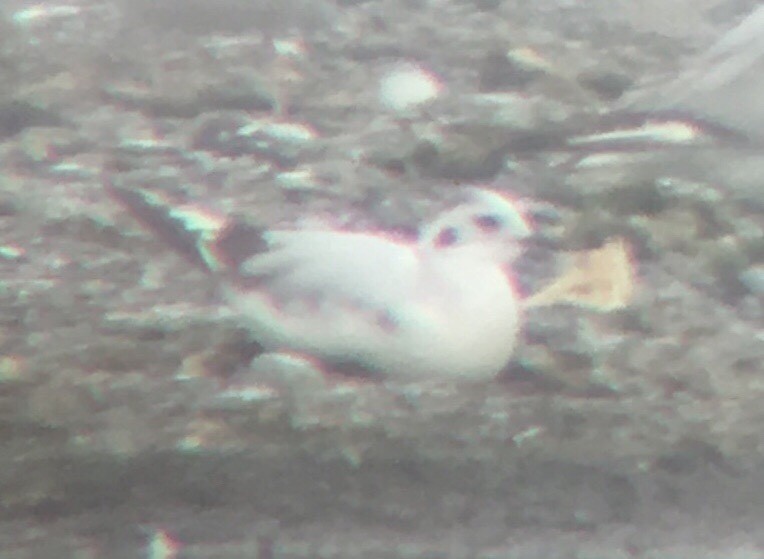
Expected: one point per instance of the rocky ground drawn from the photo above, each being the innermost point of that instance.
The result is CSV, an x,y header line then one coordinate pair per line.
x,y
130,416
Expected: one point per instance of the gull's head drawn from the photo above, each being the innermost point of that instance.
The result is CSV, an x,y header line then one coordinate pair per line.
x,y
488,224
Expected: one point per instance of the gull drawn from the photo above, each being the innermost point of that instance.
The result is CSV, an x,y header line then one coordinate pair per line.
x,y
441,306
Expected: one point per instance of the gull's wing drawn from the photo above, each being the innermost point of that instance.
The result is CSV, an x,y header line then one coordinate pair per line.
x,y
363,269
359,269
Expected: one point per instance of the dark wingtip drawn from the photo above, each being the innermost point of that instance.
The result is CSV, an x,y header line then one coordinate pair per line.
x,y
170,221
209,240
237,242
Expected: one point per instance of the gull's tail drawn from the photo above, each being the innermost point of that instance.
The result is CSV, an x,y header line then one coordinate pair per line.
x,y
209,239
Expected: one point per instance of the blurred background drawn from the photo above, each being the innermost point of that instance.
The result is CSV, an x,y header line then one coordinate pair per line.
x,y
133,420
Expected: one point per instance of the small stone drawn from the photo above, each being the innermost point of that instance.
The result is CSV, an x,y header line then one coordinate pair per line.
x,y
753,279
407,86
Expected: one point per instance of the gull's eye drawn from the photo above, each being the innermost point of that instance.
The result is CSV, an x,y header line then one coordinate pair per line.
x,y
446,237
488,222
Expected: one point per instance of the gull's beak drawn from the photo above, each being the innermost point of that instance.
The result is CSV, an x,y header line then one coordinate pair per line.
x,y
539,217
540,220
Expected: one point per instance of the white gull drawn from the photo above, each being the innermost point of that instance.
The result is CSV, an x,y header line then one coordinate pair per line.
x,y
441,306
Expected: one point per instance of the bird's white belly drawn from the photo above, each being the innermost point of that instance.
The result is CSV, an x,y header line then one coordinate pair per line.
x,y
467,340
441,334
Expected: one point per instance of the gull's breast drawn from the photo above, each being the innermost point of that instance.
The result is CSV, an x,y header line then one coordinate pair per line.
x,y
465,327
460,324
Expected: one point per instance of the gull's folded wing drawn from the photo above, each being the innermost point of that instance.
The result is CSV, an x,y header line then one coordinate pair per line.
x,y
362,269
